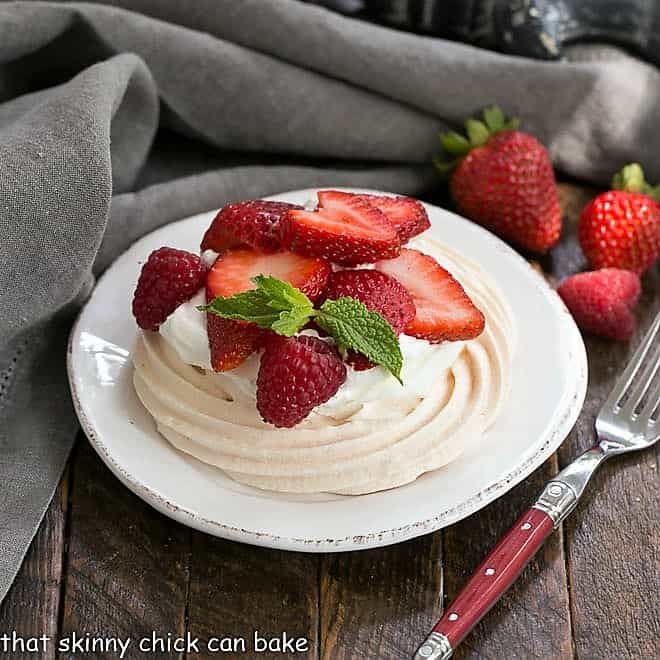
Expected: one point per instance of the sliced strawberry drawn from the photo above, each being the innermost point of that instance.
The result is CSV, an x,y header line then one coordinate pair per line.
x,y
444,312
231,342
255,223
232,271
408,215
346,230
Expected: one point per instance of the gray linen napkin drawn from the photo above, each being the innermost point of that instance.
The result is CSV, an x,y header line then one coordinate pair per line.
x,y
114,122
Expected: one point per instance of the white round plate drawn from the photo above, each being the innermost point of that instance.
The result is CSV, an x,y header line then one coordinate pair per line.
x,y
549,383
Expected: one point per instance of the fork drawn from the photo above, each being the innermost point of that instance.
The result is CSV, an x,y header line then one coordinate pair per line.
x,y
627,421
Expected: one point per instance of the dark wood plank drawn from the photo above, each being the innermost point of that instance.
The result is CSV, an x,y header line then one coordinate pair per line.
x,y
532,620
127,565
613,556
380,603
237,590
32,605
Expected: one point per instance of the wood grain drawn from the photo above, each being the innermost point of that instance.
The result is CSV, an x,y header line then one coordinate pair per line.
x,y
32,606
380,603
237,589
532,620
127,565
612,538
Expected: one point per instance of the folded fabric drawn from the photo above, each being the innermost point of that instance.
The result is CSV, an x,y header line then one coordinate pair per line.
x,y
114,122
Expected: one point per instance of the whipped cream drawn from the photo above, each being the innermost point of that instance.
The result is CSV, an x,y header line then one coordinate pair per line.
x,y
373,434
185,332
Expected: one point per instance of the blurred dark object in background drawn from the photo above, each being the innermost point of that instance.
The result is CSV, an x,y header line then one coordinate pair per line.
x,y
534,28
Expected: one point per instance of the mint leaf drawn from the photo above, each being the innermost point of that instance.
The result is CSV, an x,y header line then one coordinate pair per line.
x,y
249,306
352,325
282,308
281,295
274,304
291,321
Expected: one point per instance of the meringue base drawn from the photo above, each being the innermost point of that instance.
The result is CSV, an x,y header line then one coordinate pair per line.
x,y
373,442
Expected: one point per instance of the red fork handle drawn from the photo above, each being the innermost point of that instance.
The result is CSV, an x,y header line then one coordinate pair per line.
x,y
493,577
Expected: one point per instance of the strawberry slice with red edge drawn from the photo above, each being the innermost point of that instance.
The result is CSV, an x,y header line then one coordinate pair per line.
x,y
408,215
344,229
443,311
255,223
230,341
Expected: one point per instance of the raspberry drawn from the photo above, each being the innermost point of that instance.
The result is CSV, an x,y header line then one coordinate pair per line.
x,y
168,278
601,301
379,293
296,375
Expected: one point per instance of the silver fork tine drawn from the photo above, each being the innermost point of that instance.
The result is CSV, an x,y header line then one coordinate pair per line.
x,y
643,382
651,404
621,385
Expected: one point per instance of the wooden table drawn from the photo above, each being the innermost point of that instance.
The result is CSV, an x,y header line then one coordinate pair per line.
x,y
105,563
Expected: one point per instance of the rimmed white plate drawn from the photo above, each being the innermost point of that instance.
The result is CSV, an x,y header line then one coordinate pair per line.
x,y
548,389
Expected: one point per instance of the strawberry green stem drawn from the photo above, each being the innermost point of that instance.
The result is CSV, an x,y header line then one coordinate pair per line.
x,y
478,132
631,179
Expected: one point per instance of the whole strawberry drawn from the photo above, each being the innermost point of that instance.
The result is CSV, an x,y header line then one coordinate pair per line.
x,y
621,228
168,278
601,301
503,179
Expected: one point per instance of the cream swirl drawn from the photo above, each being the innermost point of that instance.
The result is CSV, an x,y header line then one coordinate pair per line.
x,y
372,435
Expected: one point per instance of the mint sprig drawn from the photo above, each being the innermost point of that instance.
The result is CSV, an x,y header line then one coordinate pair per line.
x,y
282,308
352,325
274,304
